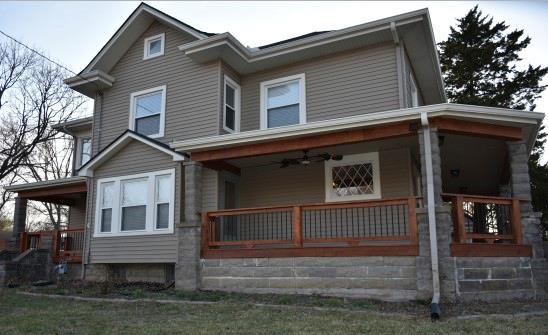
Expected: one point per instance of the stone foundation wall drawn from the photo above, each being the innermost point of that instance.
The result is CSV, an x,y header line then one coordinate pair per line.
x,y
156,273
386,278
494,278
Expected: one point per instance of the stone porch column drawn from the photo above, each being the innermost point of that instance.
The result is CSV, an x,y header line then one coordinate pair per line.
x,y
444,228
187,269
521,189
19,221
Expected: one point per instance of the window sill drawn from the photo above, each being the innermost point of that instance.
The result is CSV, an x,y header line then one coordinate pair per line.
x,y
490,250
135,233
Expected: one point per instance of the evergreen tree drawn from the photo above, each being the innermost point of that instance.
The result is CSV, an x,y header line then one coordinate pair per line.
x,y
480,62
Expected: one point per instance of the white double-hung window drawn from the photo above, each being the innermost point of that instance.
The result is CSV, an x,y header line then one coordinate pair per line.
x,y
283,102
147,111
231,110
135,205
355,177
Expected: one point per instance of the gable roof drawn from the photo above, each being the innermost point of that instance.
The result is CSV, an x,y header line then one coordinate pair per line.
x,y
120,142
130,30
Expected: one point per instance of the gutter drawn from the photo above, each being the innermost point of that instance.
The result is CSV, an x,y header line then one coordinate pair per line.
x,y
434,306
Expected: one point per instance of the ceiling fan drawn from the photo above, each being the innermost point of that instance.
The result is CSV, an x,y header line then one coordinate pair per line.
x,y
306,159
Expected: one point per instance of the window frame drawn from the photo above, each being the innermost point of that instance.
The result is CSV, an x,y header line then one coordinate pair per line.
x,y
151,39
99,205
150,223
265,85
237,102
369,157
133,98
80,151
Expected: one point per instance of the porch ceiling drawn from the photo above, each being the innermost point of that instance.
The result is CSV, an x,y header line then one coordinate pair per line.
x,y
472,165
346,149
60,191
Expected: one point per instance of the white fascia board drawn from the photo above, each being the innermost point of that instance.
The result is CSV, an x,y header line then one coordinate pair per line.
x,y
87,169
360,121
45,184
256,55
97,76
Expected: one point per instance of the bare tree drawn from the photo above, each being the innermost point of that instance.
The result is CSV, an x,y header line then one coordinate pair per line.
x,y
50,160
32,98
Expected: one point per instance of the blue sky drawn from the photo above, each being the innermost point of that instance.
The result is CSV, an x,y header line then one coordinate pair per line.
x,y
73,32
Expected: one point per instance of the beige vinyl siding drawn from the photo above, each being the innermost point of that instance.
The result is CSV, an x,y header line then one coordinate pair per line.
x,y
192,98
351,83
77,214
273,186
210,189
136,158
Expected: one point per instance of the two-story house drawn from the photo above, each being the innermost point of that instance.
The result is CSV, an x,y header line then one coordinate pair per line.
x,y
328,163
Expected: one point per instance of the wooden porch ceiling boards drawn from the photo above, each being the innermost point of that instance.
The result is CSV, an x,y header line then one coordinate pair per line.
x,y
481,129
64,194
306,142
354,136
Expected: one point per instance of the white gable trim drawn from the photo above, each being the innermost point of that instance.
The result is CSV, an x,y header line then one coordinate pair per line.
x,y
87,169
143,8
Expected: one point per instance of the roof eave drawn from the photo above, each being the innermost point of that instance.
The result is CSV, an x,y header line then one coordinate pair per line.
x,y
361,121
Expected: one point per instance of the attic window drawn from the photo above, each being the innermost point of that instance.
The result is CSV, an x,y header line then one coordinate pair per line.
x,y
154,46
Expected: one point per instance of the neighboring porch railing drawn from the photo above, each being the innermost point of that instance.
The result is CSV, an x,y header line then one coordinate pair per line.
x,y
66,245
486,226
375,227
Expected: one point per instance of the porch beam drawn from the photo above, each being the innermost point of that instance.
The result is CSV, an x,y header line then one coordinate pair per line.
x,y
477,128
53,191
221,165
308,142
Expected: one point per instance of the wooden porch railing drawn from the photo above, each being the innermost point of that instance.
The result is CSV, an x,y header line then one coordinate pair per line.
x,y
375,227
486,226
66,245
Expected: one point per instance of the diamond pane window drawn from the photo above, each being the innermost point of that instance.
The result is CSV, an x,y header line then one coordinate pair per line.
x,y
355,177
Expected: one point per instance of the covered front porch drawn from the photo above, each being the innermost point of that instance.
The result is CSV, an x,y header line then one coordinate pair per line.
x,y
306,194
66,244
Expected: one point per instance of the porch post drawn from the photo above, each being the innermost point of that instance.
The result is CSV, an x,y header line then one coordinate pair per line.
x,y
187,269
521,189
444,227
19,221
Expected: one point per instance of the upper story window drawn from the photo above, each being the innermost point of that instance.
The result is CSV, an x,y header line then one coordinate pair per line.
x,y
231,110
413,92
147,112
136,204
283,102
355,177
154,46
85,150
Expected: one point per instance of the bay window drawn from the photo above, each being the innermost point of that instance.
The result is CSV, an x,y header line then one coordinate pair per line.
x,y
283,102
135,205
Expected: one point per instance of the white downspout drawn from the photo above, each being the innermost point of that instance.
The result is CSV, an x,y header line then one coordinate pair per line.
x,y
431,216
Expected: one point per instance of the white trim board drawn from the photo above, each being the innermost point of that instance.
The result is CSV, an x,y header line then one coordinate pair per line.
x,y
116,146
364,120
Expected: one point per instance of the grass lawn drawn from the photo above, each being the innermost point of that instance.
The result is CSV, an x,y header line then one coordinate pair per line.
x,y
38,315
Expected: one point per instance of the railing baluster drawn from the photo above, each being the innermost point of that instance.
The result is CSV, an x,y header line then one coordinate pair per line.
x,y
297,227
